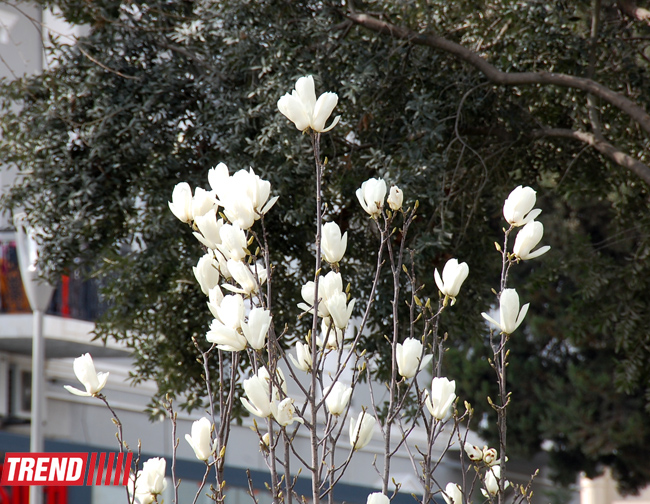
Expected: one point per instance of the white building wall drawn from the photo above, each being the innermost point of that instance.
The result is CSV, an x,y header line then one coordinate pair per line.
x,y
602,490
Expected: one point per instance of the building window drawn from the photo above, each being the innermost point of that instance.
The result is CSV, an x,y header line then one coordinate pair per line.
x,y
25,392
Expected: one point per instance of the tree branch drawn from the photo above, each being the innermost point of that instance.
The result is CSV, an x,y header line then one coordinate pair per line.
x,y
605,148
505,78
631,9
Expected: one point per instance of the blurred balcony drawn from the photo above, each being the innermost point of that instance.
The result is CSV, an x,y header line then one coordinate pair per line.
x,y
69,321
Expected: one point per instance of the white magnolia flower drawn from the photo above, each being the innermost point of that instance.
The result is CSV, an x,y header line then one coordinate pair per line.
x,y
244,196
302,108
332,336
395,198
443,393
206,272
215,296
473,452
255,330
453,494
84,370
328,286
233,242
201,439
408,355
377,498
492,476
209,229
224,329
258,394
239,211
333,245
371,196
202,202
303,360
527,239
181,203
339,309
510,317
226,338
337,397
230,311
150,481
453,276
284,412
245,277
219,180
361,430
256,190
247,198
518,207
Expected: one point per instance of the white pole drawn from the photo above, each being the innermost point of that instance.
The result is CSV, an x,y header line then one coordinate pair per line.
x,y
39,294
38,396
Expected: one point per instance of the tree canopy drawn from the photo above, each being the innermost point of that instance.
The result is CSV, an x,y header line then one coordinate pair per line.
x,y
457,102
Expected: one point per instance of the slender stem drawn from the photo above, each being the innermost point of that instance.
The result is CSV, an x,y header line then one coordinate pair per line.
x,y
225,421
427,460
501,356
503,396
203,481
275,485
173,418
288,483
116,421
272,363
315,462
120,439
437,340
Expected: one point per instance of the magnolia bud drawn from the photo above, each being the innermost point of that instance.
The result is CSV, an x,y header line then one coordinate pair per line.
x,y
473,452
489,455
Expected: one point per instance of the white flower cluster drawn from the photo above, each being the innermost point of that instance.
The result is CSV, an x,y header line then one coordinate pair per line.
x,y
266,397
518,211
243,198
372,193
488,459
333,306
221,219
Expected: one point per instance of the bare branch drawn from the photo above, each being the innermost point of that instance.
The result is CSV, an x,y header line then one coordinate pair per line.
x,y
505,78
605,148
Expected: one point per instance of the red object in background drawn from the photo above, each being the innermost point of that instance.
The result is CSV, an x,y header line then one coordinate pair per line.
x,y
20,494
65,296
12,295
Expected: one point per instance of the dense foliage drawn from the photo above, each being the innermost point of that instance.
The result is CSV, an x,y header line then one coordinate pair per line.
x,y
159,92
